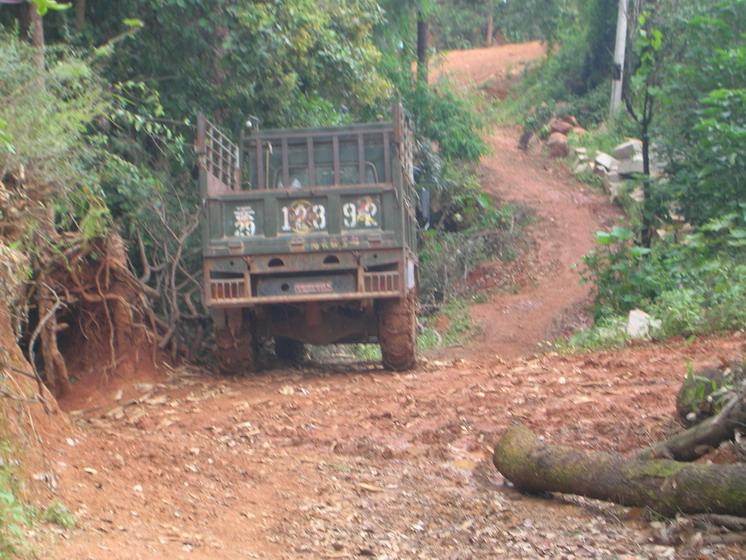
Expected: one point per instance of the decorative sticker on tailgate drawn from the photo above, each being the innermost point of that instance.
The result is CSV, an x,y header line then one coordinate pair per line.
x,y
245,221
302,216
361,213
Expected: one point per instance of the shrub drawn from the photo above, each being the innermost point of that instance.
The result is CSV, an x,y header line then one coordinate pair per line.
x,y
452,120
681,312
694,287
610,332
447,257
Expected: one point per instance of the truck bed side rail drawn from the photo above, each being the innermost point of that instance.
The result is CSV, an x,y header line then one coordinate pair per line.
x,y
218,158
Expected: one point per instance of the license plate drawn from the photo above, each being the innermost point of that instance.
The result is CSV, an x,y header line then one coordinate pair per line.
x,y
306,288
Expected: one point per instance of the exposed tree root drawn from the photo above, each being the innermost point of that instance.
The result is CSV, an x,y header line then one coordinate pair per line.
x,y
102,300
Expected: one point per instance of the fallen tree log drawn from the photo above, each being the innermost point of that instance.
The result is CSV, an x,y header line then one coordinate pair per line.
x,y
665,486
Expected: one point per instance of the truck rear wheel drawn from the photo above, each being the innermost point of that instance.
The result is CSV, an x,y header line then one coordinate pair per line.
x,y
397,332
289,350
236,348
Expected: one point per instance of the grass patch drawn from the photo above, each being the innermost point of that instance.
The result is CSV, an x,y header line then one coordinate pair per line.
x,y
58,514
604,335
366,352
459,327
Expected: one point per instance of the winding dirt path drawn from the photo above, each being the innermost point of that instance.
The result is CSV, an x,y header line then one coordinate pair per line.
x,y
567,216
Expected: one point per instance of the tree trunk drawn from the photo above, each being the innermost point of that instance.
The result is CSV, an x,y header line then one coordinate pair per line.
x,y
423,30
37,36
24,21
80,15
489,38
648,205
667,487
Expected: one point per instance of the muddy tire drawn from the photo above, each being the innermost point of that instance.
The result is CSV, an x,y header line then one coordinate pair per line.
x,y
397,332
235,347
289,350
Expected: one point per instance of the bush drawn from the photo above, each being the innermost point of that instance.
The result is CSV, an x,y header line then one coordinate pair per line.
x,y
610,332
624,275
700,126
452,120
693,287
447,257
681,312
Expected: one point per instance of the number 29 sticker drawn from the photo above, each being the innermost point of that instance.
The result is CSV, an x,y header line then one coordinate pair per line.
x,y
361,213
303,216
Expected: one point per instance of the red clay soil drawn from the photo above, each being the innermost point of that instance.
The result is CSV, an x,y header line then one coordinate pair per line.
x,y
348,461
345,460
486,66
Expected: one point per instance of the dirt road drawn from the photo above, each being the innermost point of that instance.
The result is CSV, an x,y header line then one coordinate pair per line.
x,y
551,297
349,461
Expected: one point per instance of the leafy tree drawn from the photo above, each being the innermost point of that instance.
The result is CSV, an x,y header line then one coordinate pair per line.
x,y
701,121
290,63
472,23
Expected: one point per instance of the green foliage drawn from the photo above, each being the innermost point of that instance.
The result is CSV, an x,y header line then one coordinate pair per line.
x,y
15,516
701,128
681,312
607,333
685,89
47,124
694,287
289,63
447,257
459,328
559,86
6,140
58,514
43,6
623,274
449,119
462,24
600,16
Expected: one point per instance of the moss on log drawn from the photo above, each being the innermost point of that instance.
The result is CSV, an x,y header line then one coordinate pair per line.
x,y
667,487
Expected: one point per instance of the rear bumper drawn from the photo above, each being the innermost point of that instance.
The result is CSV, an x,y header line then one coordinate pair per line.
x,y
302,278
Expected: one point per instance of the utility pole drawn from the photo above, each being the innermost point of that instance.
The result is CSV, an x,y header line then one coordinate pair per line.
x,y
620,50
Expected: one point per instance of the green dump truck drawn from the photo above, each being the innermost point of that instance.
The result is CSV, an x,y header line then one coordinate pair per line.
x,y
309,236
